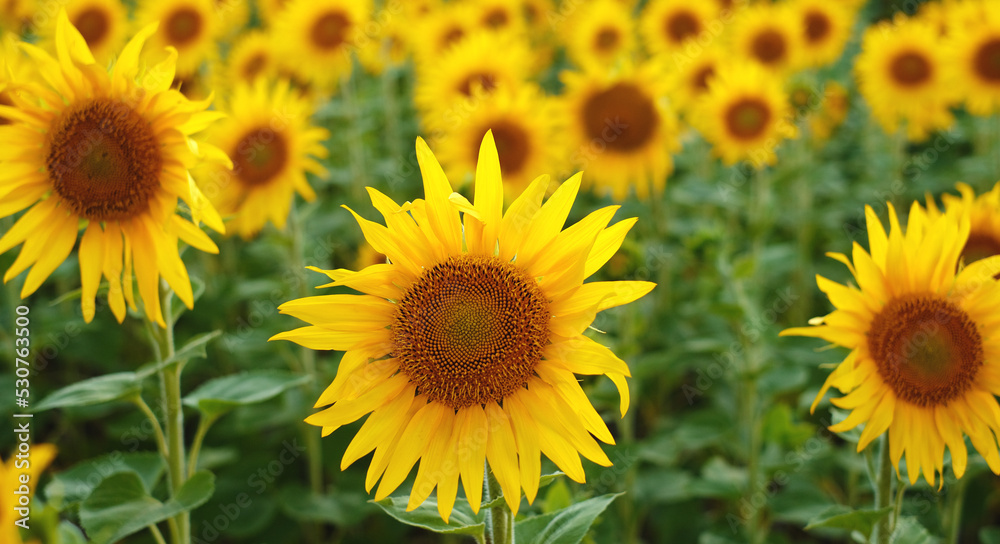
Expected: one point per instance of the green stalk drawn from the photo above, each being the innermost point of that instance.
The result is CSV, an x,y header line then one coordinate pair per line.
x,y
391,112
499,519
883,492
199,437
161,440
956,500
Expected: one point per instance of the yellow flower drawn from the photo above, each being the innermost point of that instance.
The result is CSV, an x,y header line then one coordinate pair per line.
x,y
620,129
102,23
745,115
974,52
924,336
524,128
251,57
825,28
316,37
387,47
768,34
233,15
984,219
690,77
16,15
832,111
272,145
499,15
601,34
464,354
440,30
10,480
109,150
189,26
667,25
903,74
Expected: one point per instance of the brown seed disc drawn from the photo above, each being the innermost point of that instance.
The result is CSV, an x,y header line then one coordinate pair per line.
x,y
818,26
182,26
682,25
607,40
513,146
93,24
769,47
987,61
104,160
259,156
330,30
470,330
623,117
485,80
910,69
747,118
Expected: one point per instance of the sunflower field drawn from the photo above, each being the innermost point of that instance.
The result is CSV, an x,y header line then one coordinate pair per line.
x,y
533,271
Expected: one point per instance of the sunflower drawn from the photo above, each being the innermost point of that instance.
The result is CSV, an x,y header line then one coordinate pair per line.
x,y
103,24
470,69
14,67
524,129
321,33
745,114
472,337
974,52
620,129
832,111
499,15
189,26
251,57
387,47
233,15
270,10
273,145
769,35
984,219
690,76
440,30
109,152
825,28
15,15
10,474
667,25
905,77
924,337
600,35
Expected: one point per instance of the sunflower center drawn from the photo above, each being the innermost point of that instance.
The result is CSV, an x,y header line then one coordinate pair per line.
x,y
702,76
607,39
483,80
470,330
926,348
682,25
104,160
769,47
496,18
453,34
979,246
910,69
259,156
330,30
93,25
183,26
512,146
622,116
817,26
987,61
254,66
748,118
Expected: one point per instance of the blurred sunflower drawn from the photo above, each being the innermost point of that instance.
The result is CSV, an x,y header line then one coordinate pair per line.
x,y
189,26
272,144
769,35
270,11
122,187
102,23
15,67
984,219
470,69
388,47
499,15
316,37
924,337
601,34
667,25
691,76
465,348
904,76
745,114
825,28
10,474
251,57
15,15
536,15
974,52
233,15
832,111
524,129
620,129
439,31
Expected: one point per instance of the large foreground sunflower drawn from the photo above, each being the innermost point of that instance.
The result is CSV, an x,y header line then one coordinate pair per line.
x,y
465,346
273,145
108,152
924,336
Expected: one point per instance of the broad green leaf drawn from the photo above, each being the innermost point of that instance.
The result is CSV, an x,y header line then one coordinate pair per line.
x,y
107,388
426,516
910,531
121,505
566,526
77,483
341,509
221,395
195,347
843,517
70,534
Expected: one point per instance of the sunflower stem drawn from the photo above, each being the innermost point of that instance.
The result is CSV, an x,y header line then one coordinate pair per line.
x,y
499,519
355,149
199,437
883,492
161,440
956,500
391,111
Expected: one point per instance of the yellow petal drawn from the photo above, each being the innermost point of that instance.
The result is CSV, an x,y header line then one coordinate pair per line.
x,y
91,257
607,244
515,223
528,450
415,438
501,452
379,428
472,444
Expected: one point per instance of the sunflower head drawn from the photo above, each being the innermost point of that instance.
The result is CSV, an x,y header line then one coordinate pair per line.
x,y
924,341
983,212
825,28
189,26
768,35
251,57
102,23
974,49
669,25
472,337
599,35
323,33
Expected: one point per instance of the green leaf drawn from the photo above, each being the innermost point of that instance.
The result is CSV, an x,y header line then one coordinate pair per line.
x,y
342,509
121,505
566,526
70,534
195,347
107,388
221,395
910,531
989,535
77,483
426,516
843,517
